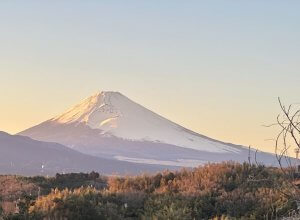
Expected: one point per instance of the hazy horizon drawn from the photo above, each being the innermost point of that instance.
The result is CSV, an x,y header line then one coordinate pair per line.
x,y
213,69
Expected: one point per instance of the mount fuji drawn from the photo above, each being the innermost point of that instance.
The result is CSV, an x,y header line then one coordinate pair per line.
x,y
110,125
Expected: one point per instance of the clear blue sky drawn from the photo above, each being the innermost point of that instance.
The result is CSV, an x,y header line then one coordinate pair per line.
x,y
215,67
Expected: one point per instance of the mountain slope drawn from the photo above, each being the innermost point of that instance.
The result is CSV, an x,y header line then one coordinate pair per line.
x,y
22,155
116,115
110,125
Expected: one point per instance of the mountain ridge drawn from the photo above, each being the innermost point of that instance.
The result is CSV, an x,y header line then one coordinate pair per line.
x,y
116,115
110,125
24,156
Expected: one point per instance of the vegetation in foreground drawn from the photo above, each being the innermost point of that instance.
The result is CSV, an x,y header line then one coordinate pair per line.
x,y
215,191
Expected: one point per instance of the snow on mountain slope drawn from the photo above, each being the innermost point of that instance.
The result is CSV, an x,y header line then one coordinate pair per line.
x,y
111,126
116,115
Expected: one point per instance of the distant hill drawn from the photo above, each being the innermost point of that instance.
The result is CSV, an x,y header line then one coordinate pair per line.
x,y
24,156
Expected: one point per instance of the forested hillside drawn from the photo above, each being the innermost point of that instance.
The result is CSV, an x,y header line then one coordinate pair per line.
x,y
214,191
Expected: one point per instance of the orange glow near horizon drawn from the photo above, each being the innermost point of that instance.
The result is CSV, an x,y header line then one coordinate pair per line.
x,y
212,68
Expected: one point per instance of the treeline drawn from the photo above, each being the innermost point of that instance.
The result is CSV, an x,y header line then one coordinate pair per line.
x,y
214,191
69,180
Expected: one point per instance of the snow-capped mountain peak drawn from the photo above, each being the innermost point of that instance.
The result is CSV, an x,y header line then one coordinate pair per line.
x,y
116,115
88,108
110,125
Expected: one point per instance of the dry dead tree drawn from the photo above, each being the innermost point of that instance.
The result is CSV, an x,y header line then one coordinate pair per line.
x,y
288,137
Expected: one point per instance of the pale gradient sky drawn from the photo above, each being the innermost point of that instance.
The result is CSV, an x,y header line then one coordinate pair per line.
x,y
215,67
